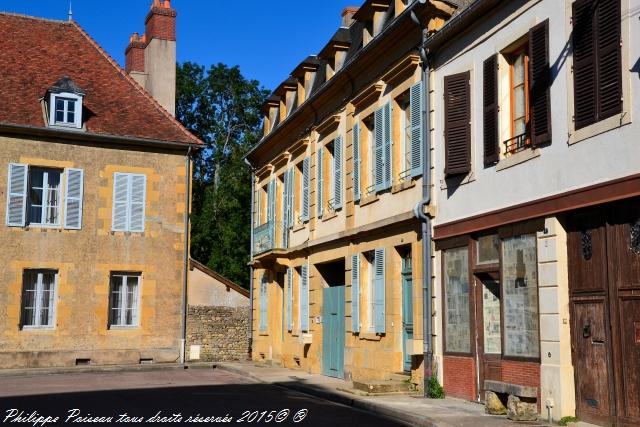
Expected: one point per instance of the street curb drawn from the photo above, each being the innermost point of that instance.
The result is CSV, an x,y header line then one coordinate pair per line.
x,y
102,368
336,397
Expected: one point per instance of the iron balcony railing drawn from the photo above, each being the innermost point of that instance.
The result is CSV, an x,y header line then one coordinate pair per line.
x,y
404,176
370,190
516,144
331,205
266,237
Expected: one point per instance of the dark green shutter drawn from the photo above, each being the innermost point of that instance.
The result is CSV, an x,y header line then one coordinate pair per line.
x,y
457,127
539,84
490,110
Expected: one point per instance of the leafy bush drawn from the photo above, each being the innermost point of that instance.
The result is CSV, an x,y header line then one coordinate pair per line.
x,y
435,389
566,420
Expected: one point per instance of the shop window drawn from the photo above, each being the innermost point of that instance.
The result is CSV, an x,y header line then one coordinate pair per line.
x,y
520,284
456,283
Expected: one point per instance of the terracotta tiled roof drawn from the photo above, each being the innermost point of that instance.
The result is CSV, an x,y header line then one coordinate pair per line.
x,y
36,53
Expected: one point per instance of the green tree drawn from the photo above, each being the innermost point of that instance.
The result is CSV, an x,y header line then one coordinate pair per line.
x,y
222,108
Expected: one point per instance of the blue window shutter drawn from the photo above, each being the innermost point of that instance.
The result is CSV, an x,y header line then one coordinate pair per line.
x,y
379,292
17,195
378,149
137,201
263,304
290,198
388,144
304,298
285,210
305,188
355,293
320,178
337,172
289,299
120,209
271,201
73,199
417,139
356,162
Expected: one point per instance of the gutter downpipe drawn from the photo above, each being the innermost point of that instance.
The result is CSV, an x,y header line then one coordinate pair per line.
x,y
185,275
427,305
251,265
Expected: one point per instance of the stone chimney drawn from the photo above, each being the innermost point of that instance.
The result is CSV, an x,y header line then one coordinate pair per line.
x,y
151,58
347,15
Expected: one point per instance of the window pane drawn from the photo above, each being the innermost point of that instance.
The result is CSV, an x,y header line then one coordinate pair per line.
x,y
488,249
491,316
457,324
59,116
71,106
47,301
36,177
518,69
29,299
518,102
520,281
71,116
59,104
116,299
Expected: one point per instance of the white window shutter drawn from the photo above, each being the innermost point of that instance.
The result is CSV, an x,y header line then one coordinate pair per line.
x,y
356,162
73,199
320,179
337,173
119,220
285,210
379,292
305,188
17,195
355,293
388,144
289,299
304,298
290,199
417,139
137,195
378,149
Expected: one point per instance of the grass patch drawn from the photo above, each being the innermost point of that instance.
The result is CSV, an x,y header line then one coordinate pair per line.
x,y
566,420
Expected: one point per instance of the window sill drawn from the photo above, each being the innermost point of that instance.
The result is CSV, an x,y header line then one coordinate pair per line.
x,y
329,216
602,126
403,186
517,158
370,336
38,328
263,334
368,200
470,177
123,327
299,227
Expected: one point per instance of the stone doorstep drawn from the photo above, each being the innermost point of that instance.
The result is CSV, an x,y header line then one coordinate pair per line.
x,y
391,393
513,389
379,387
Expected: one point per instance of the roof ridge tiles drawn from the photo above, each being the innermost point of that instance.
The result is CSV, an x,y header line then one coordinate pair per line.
x,y
35,18
135,84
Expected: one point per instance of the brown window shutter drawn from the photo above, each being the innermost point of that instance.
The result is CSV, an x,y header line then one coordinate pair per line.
x,y
490,110
608,22
539,84
457,127
584,70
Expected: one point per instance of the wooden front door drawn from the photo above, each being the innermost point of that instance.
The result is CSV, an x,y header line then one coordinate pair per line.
x,y
604,289
333,331
488,332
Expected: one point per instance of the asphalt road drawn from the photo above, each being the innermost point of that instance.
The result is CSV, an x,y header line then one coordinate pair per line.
x,y
166,397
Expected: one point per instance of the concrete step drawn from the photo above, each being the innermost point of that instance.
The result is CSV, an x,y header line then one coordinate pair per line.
x,y
379,387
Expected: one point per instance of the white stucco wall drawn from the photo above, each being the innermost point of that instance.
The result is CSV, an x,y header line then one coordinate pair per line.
x,y
565,164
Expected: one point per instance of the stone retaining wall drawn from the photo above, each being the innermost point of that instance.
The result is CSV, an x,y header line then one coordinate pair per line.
x,y
221,333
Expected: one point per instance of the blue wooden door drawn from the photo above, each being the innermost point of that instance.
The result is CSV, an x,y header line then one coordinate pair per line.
x,y
333,331
407,313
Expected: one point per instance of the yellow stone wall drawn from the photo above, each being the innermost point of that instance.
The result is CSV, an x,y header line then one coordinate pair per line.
x,y
85,258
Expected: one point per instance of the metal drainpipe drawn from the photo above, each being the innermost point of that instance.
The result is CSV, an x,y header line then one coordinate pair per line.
x,y
251,266
185,275
427,296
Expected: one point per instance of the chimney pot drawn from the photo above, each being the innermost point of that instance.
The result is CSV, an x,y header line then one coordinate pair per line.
x,y
347,15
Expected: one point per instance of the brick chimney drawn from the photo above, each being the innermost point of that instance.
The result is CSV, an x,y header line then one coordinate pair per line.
x,y
347,15
151,58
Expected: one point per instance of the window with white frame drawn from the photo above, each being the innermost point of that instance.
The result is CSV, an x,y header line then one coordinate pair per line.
x,y
44,196
124,306
404,103
36,196
38,298
370,274
129,199
66,110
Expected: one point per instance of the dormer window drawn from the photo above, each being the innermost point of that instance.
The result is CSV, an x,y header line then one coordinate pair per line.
x,y
66,110
65,104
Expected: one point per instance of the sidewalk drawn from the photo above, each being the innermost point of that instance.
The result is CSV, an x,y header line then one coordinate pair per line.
x,y
415,411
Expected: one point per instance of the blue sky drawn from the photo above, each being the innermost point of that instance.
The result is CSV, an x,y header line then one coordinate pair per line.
x,y
266,39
